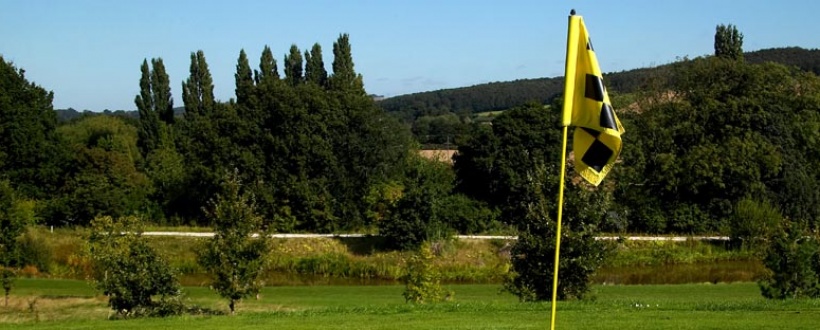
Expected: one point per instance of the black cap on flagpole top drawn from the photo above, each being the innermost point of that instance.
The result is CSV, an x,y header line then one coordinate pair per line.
x,y
572,12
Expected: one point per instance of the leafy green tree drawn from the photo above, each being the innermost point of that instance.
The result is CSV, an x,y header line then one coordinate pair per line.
x,y
728,42
198,90
293,66
234,258
31,155
315,71
12,224
129,271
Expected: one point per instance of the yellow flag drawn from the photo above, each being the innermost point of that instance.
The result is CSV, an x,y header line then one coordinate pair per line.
x,y
597,139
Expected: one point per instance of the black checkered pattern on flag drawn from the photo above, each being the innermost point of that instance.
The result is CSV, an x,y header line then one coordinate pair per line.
x,y
597,137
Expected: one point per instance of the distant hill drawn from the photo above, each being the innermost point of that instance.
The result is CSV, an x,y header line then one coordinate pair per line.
x,y
504,95
70,113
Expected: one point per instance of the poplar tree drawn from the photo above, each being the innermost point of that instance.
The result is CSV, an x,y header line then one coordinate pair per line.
x,y
198,90
148,134
293,66
244,81
344,76
154,104
315,71
267,68
161,88
728,42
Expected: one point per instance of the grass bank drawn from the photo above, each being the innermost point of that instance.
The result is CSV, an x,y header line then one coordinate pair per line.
x,y
354,261
689,306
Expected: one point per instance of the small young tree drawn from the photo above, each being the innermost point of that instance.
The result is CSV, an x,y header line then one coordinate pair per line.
x,y
129,271
534,252
234,258
422,282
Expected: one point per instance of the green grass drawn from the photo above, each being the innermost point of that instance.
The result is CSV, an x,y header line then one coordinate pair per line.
x,y
690,306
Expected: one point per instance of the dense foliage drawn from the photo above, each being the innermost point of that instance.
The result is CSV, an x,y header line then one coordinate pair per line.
x,y
726,131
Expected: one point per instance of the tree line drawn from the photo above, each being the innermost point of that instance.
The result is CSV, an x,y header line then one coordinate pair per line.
x,y
311,146
714,144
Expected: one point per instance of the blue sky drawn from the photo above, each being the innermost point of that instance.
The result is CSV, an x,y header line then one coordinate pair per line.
x,y
89,52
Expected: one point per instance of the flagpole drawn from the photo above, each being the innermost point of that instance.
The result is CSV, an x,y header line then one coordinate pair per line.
x,y
569,88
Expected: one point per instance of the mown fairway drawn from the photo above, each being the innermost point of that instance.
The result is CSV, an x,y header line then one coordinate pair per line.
x,y
62,304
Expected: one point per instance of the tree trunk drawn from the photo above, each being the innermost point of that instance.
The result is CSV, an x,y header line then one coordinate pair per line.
x,y
232,305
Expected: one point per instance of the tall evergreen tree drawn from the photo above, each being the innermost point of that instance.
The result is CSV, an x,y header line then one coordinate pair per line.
x,y
293,66
344,76
198,90
315,71
267,68
728,42
244,81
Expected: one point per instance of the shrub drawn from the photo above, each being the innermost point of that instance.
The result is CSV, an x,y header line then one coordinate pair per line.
x,y
751,222
129,271
34,251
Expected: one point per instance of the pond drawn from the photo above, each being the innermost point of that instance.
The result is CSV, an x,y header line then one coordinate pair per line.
x,y
723,271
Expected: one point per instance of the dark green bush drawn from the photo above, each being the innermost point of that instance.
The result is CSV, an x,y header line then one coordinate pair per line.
x,y
793,262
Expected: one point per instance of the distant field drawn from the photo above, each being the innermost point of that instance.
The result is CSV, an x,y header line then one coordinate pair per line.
x,y
691,306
